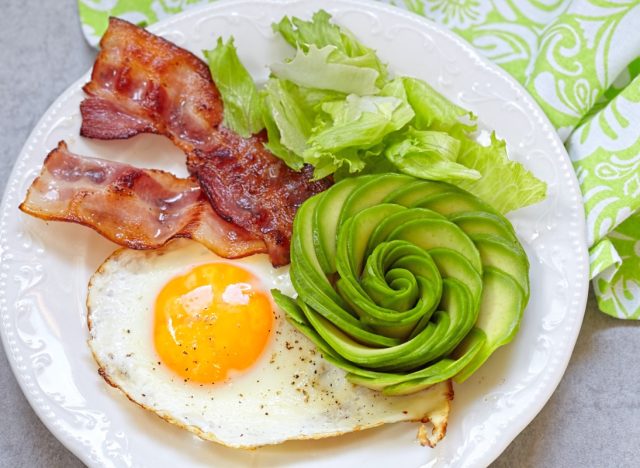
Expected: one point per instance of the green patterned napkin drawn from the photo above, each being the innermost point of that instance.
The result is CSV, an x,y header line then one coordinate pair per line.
x,y
580,59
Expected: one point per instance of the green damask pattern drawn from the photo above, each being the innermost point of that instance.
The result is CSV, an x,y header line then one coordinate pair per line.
x,y
608,163
95,14
580,59
617,288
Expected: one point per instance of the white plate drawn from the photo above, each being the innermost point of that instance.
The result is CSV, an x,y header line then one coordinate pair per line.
x,y
45,267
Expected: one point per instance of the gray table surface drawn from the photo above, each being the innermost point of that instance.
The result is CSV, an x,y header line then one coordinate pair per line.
x,y
593,418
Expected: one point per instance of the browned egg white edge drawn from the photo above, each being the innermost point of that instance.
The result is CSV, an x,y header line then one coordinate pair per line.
x,y
427,436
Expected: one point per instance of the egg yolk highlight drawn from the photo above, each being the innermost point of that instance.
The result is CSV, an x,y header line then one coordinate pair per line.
x,y
210,321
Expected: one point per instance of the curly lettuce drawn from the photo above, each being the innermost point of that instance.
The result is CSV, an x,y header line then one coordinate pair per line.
x,y
334,106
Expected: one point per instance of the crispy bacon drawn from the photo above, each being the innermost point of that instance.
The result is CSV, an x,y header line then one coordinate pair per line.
x,y
250,187
143,84
139,209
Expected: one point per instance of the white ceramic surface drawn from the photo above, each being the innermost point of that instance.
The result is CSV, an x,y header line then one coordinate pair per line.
x,y
45,266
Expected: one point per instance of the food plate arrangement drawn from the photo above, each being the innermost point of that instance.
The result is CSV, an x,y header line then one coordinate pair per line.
x,y
46,268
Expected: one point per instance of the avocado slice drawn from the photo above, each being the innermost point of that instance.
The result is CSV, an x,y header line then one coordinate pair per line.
x,y
310,282
452,264
498,253
434,233
445,330
393,357
355,233
304,262
386,226
402,384
399,285
454,202
409,194
372,191
501,308
481,222
442,370
325,222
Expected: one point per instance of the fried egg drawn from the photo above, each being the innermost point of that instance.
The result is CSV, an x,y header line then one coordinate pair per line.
x,y
198,340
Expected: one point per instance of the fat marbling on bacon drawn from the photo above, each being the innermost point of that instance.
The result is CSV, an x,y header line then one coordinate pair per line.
x,y
136,208
142,83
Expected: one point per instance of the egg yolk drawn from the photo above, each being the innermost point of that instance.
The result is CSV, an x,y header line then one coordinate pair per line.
x,y
211,321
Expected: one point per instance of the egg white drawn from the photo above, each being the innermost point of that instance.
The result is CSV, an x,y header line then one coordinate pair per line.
x,y
291,392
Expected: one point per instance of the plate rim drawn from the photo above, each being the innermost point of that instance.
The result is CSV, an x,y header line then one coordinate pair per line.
x,y
578,302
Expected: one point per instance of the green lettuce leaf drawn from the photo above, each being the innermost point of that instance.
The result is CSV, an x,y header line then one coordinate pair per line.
x,y
433,110
320,32
428,155
325,69
242,104
355,126
504,184
274,144
290,115
361,121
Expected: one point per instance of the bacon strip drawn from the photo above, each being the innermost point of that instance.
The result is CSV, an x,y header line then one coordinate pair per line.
x,y
247,185
143,84
139,209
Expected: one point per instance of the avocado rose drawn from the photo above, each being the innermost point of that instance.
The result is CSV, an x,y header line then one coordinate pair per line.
x,y
404,283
